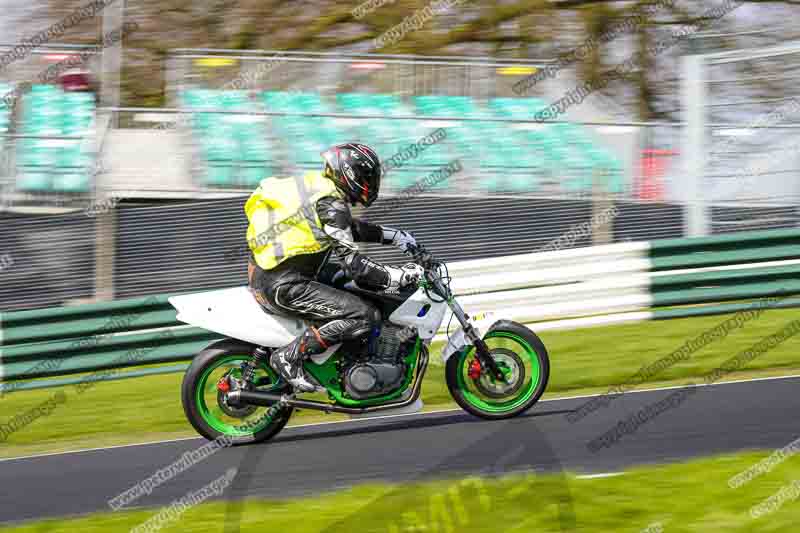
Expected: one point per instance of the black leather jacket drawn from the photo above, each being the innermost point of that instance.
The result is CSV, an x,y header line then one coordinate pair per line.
x,y
342,231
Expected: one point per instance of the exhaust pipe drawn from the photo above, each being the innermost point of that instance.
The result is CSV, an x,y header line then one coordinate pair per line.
x,y
267,399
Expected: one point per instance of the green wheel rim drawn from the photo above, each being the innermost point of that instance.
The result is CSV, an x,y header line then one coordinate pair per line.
x,y
211,412
533,374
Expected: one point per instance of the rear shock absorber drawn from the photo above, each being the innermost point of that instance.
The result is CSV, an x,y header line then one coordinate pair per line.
x,y
260,355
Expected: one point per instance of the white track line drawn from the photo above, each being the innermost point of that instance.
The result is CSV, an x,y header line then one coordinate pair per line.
x,y
442,411
605,474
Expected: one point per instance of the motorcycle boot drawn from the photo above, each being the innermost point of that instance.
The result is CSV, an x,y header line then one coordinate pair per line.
x,y
288,361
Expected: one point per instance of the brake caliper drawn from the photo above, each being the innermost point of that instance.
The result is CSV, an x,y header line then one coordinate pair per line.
x,y
223,385
474,371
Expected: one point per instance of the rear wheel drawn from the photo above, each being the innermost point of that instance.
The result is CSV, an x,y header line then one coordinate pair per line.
x,y
219,367
523,359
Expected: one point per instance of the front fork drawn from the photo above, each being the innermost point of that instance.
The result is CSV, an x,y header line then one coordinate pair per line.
x,y
481,349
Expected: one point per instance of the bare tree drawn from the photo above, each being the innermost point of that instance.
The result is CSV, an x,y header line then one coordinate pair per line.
x,y
521,28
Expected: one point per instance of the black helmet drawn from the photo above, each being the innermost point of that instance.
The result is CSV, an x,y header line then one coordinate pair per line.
x,y
356,170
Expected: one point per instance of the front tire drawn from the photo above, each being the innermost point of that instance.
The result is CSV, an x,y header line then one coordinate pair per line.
x,y
204,405
520,354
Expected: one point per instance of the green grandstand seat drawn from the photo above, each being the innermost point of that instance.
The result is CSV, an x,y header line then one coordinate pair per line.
x,y
312,102
307,137
76,180
443,105
463,140
219,174
5,111
577,173
391,134
252,148
34,179
233,147
35,161
528,149
369,103
197,98
429,105
509,163
516,107
218,147
586,160
554,152
72,168
434,155
34,152
234,100
615,182
54,165
75,125
387,101
494,144
44,89
251,175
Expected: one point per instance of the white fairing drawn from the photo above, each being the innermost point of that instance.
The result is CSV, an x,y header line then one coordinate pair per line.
x,y
458,339
235,313
407,314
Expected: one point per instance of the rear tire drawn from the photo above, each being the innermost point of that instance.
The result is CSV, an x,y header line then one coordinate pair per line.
x,y
208,417
520,396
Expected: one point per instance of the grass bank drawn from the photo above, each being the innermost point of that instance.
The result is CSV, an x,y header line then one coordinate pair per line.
x,y
687,497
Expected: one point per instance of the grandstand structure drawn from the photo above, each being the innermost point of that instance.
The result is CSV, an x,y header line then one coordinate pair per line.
x,y
49,136
220,137
234,118
233,151
64,166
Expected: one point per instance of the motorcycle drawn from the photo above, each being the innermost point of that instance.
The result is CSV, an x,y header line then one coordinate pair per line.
x,y
230,390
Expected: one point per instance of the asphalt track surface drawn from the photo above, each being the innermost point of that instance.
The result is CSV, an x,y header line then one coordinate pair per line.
x,y
722,418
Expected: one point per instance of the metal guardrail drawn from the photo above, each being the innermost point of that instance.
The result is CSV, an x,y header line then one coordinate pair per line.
x,y
94,338
563,288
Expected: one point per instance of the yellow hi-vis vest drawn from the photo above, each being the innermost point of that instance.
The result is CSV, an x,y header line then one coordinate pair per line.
x,y
283,218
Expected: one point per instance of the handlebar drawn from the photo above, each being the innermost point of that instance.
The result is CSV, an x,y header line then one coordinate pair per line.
x,y
433,274
423,257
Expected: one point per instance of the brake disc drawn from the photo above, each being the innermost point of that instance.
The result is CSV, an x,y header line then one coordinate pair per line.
x,y
512,367
222,398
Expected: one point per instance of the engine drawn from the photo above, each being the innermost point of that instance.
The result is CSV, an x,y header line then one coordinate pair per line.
x,y
384,371
364,380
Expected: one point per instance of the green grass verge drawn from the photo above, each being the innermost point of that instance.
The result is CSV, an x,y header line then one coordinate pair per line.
x,y
686,497
583,361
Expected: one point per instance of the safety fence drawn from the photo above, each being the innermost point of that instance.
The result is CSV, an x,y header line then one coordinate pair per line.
x,y
656,280
573,288
756,163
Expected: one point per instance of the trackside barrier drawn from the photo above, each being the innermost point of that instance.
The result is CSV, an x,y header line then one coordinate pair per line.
x,y
737,266
574,288
94,338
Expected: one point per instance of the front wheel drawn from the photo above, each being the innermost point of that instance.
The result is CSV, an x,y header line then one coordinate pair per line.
x,y
522,358
205,404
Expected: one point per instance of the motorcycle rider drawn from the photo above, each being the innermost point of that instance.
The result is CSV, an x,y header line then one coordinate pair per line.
x,y
289,268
